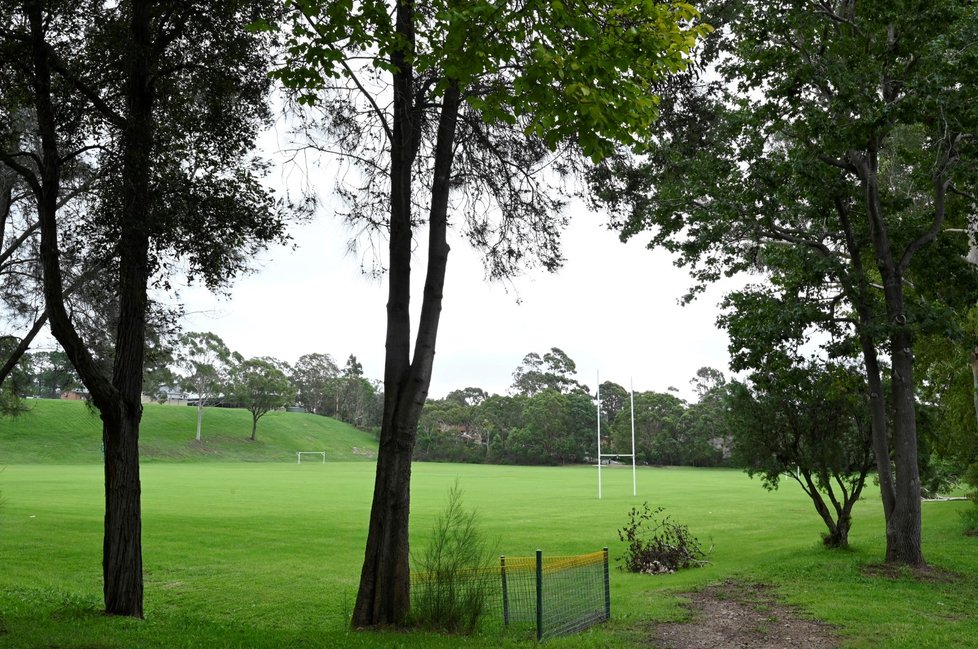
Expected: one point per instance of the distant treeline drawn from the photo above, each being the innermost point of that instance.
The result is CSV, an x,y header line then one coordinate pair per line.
x,y
550,418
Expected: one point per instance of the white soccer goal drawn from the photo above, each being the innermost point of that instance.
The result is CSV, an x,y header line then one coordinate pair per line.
x,y
299,454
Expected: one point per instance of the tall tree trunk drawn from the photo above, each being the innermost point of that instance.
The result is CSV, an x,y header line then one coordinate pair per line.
x,y
973,260
384,595
122,560
8,178
858,288
903,523
878,422
118,399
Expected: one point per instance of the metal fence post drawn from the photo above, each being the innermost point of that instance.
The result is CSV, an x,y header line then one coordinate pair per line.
x,y
502,572
607,588
539,595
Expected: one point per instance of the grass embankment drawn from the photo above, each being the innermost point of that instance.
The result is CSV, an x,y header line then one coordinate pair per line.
x,y
268,555
68,432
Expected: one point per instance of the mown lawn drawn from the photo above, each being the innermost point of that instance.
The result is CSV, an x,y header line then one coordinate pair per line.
x,y
268,554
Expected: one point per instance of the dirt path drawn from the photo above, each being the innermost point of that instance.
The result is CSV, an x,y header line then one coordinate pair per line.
x,y
734,615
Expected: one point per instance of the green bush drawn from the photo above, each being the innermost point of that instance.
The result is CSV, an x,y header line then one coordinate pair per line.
x,y
450,592
970,516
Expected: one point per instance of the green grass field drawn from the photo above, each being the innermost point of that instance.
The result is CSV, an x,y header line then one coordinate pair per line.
x,y
267,554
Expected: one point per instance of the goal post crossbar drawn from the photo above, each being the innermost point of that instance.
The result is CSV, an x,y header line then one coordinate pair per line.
x,y
299,454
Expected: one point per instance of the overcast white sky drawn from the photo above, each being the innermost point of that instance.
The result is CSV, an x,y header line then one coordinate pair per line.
x,y
613,308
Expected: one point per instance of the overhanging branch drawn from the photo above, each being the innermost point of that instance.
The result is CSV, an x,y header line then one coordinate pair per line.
x,y
940,191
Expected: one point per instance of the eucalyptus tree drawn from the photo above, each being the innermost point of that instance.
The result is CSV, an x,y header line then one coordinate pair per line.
x,y
52,374
555,370
558,429
204,364
261,385
498,415
315,379
615,401
835,145
470,396
658,431
354,393
165,100
468,110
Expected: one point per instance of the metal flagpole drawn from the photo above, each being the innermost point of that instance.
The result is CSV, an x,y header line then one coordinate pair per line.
x,y
631,386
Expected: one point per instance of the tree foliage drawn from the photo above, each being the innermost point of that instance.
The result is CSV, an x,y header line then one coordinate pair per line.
x,y
464,110
161,102
614,401
658,432
810,423
15,385
551,428
205,364
261,385
831,152
313,375
553,371
468,396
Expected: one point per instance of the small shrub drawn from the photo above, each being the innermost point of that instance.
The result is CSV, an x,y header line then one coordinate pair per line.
x,y
969,517
450,591
938,477
657,544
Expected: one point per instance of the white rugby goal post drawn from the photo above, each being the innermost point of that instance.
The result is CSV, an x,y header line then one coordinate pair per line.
x,y
601,456
299,454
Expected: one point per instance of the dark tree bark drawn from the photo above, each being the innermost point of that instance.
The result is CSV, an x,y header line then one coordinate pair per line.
x,y
122,552
384,594
118,399
903,518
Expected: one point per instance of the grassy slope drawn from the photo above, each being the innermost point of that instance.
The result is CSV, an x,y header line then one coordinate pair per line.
x,y
267,555
67,432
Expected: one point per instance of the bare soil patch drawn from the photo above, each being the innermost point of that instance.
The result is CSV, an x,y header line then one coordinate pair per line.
x,y
733,615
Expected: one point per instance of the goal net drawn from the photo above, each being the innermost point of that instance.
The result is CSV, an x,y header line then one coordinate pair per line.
x,y
315,457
